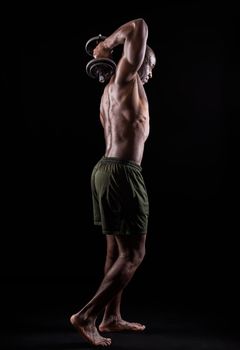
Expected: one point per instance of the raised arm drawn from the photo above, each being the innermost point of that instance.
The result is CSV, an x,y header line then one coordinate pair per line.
x,y
133,36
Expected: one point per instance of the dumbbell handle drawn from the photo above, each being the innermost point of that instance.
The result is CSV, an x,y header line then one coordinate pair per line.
x,y
101,78
93,42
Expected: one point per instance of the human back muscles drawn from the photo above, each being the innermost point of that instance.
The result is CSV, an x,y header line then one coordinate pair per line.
x,y
125,118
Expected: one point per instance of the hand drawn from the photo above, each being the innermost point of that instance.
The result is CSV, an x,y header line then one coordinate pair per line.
x,y
101,51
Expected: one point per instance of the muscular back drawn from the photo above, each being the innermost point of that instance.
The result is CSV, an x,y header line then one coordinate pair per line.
x,y
124,107
125,119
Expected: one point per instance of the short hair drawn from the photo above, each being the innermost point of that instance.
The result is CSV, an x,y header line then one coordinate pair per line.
x,y
149,52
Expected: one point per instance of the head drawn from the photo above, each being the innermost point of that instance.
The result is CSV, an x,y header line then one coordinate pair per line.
x,y
149,62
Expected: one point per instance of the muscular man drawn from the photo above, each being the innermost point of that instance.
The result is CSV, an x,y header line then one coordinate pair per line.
x,y
120,201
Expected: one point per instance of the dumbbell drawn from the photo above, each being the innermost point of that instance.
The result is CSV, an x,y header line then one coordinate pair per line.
x,y
99,68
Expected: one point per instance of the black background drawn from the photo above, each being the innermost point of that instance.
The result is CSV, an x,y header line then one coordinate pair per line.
x,y
55,138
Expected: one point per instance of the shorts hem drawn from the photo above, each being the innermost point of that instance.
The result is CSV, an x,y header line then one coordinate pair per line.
x,y
98,223
119,233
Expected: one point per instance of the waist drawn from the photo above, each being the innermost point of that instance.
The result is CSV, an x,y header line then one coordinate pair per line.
x,y
122,161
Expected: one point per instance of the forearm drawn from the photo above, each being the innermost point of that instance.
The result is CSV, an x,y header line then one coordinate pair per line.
x,y
124,32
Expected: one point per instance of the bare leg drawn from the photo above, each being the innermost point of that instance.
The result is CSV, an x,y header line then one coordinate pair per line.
x,y
131,253
112,320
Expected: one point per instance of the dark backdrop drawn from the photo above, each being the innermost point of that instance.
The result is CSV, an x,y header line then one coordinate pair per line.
x,y
189,160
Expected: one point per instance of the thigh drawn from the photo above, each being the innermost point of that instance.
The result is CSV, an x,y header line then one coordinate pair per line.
x,y
112,246
130,244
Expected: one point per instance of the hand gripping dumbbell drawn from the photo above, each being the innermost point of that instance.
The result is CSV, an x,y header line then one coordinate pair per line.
x,y
99,68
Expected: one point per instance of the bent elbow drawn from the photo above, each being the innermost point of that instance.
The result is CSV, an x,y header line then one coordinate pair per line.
x,y
141,24
140,20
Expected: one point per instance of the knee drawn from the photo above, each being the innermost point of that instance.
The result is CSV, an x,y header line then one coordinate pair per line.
x,y
111,257
134,258
137,258
112,254
110,260
140,256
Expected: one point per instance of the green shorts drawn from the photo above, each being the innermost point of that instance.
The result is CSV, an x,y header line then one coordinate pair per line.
x,y
120,200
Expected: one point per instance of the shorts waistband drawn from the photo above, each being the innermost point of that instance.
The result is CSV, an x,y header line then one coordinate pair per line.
x,y
120,161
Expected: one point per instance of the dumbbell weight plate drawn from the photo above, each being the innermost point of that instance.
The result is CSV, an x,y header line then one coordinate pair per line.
x,y
101,69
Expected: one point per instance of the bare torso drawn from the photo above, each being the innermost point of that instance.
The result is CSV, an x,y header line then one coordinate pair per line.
x,y
124,115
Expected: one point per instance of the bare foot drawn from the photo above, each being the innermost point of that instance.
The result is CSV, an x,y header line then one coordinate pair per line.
x,y
88,331
120,326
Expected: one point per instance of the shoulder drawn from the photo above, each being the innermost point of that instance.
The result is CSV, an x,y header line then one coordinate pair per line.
x,y
117,84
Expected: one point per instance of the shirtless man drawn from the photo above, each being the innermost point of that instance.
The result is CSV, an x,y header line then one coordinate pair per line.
x,y
120,201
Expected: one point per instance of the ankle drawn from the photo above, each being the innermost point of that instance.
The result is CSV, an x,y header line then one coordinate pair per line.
x,y
111,318
85,317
